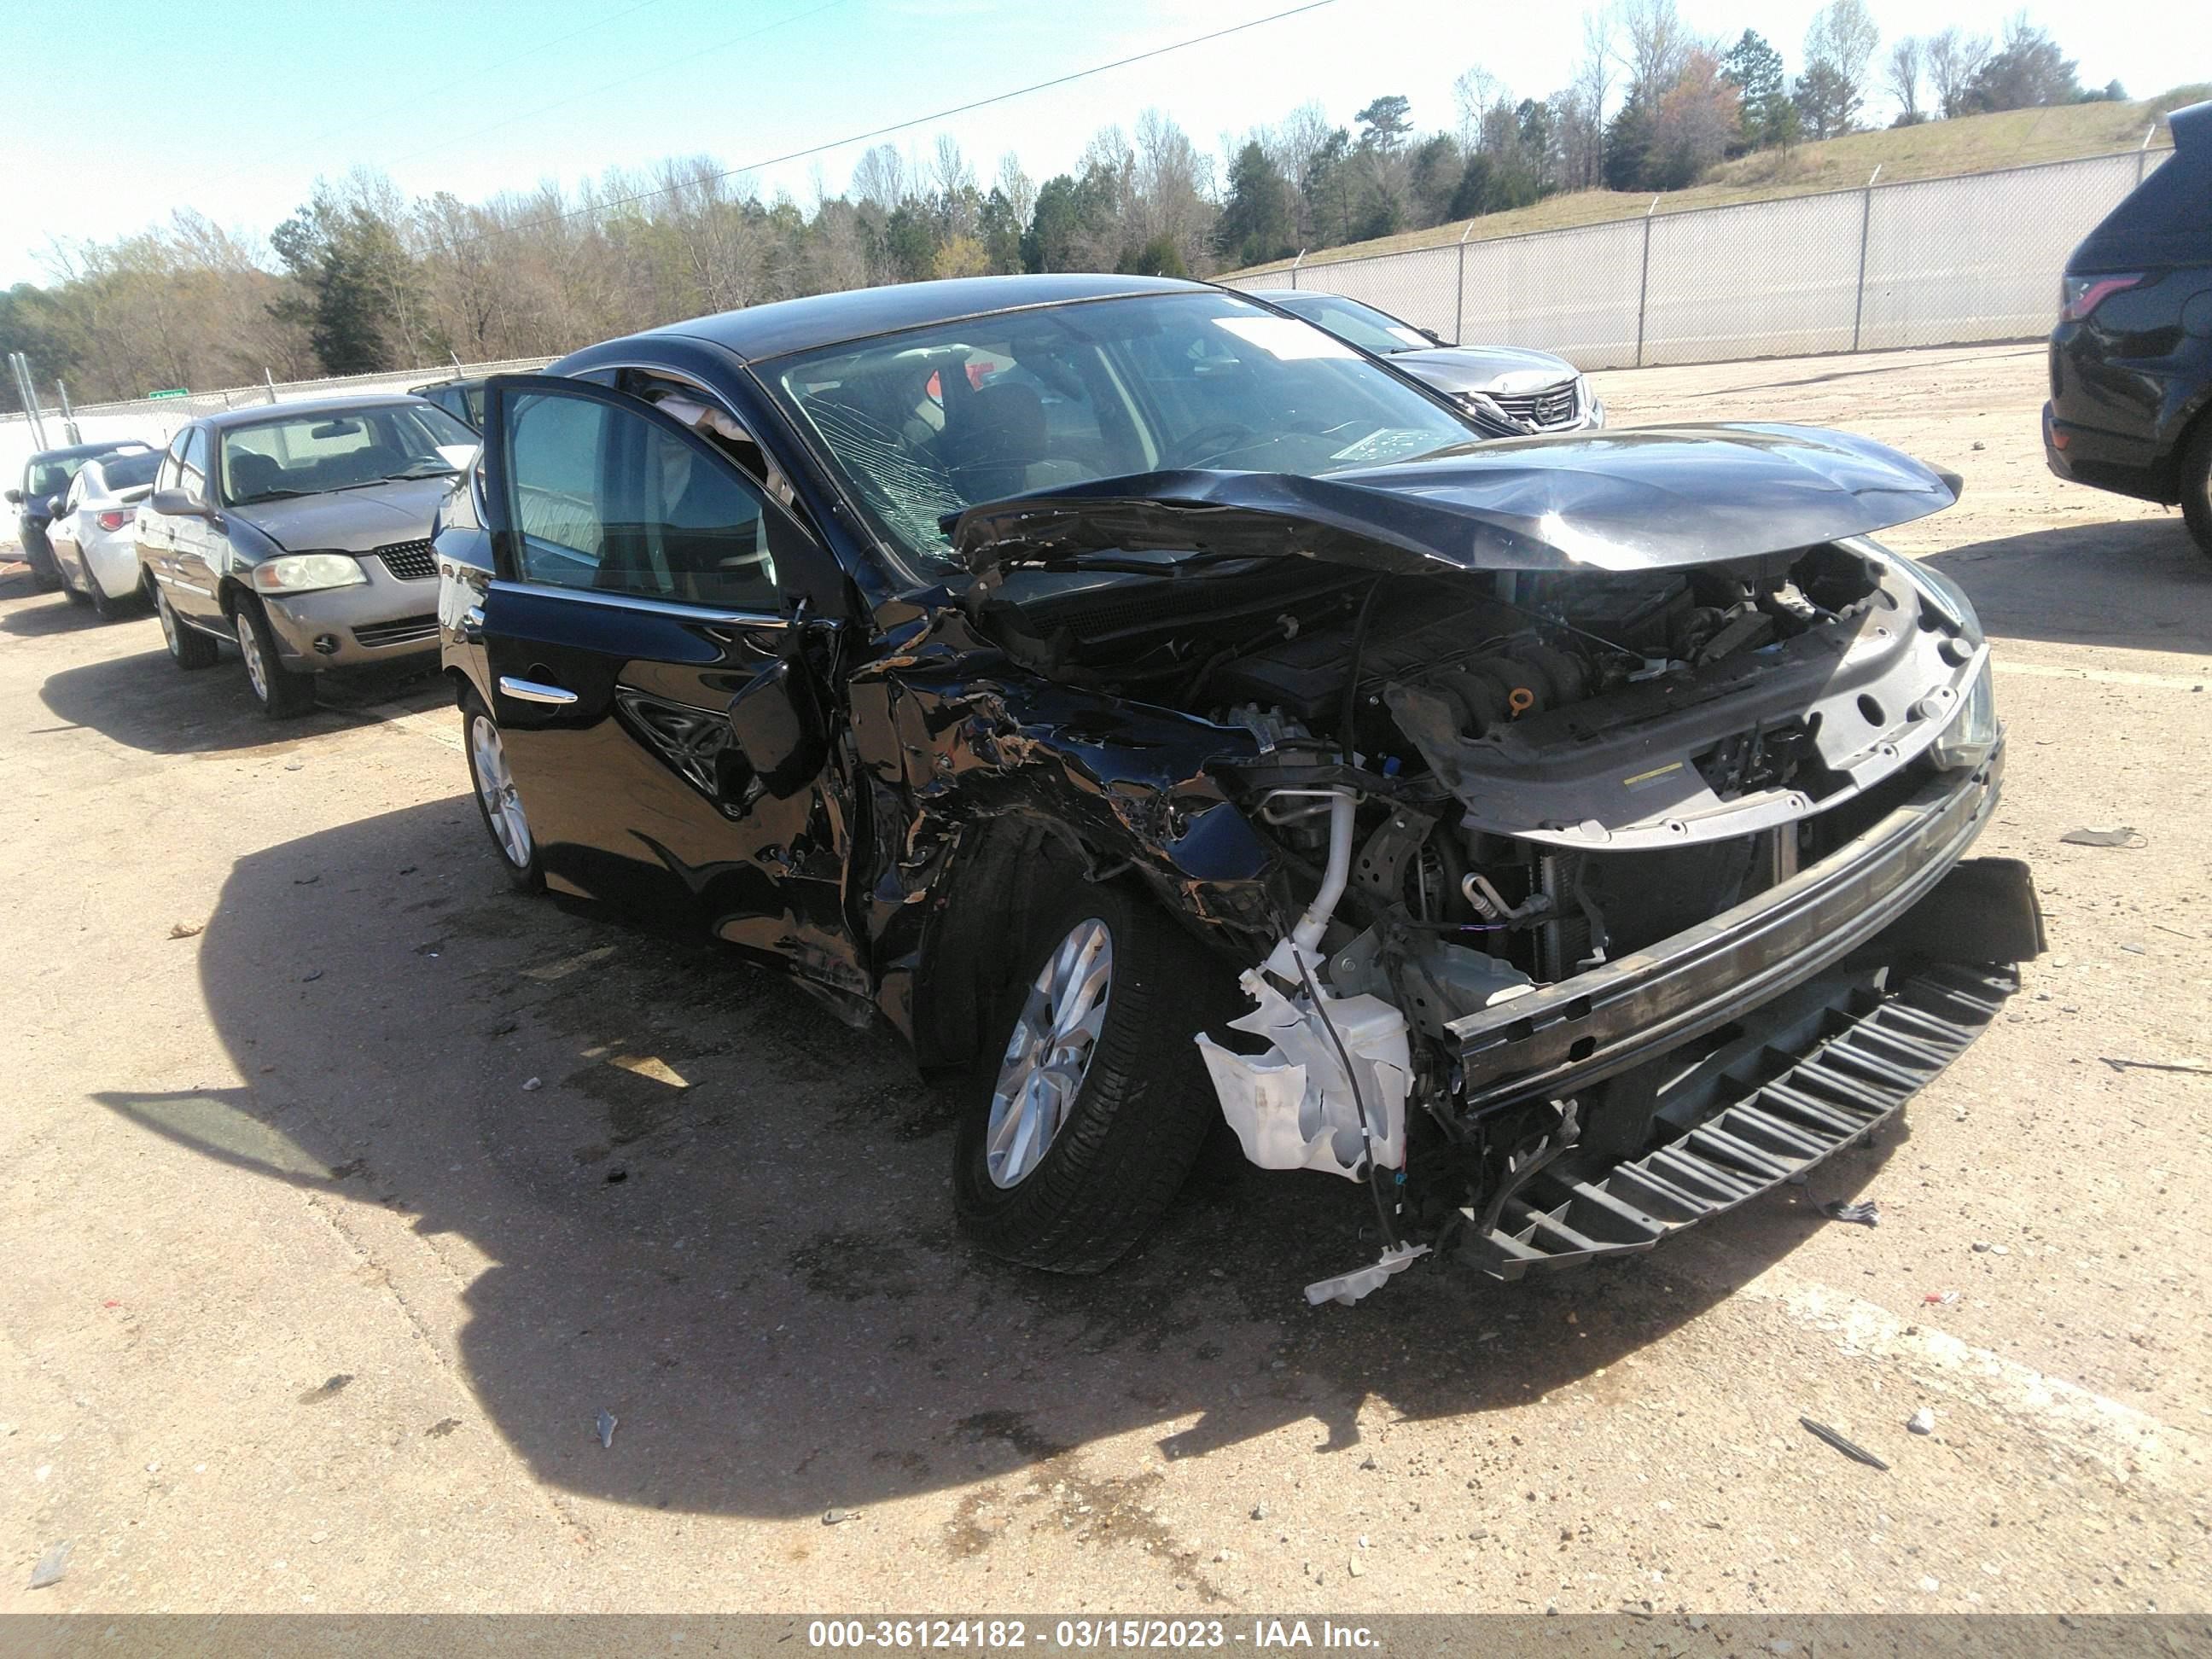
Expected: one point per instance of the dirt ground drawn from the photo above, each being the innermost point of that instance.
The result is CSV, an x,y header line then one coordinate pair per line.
x,y
333,1219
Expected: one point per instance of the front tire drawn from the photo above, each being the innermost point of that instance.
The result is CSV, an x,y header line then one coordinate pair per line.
x,y
189,648
282,692
2196,487
1091,1102
497,801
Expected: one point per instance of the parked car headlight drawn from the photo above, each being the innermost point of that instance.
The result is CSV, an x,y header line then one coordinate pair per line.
x,y
1588,401
1972,733
306,573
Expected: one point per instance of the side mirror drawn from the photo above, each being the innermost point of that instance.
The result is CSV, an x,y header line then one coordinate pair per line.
x,y
14,498
176,504
782,727
1432,335
57,506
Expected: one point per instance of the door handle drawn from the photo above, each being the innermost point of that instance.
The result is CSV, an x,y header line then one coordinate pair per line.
x,y
531,691
472,627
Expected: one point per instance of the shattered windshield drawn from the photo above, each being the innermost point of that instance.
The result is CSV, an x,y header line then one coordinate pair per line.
x,y
926,422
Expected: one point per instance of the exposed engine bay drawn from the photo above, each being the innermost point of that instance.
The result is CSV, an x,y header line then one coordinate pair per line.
x,y
1490,787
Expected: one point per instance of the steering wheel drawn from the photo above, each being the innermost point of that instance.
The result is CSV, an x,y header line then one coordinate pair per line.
x,y
1209,443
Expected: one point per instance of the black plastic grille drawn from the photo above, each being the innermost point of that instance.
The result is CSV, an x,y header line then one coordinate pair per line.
x,y
411,562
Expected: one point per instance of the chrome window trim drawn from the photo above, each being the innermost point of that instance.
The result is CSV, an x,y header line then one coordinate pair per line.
x,y
635,602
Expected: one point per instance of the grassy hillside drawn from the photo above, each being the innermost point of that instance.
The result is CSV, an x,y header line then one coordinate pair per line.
x,y
1972,144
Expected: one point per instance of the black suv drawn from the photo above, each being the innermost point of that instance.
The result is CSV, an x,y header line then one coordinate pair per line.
x,y
2130,405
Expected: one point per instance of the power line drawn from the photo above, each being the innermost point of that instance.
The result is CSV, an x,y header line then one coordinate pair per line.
x,y
895,126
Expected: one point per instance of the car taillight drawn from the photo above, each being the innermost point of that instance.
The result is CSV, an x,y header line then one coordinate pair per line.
x,y
2080,295
113,520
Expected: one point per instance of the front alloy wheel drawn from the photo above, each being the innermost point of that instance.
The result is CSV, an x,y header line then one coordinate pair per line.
x,y
1090,1104
280,692
1049,1054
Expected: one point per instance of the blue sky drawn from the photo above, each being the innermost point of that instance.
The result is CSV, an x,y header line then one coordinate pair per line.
x,y
236,107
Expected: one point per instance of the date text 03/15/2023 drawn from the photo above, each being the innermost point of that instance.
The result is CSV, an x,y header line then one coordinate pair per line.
x,y
1005,1634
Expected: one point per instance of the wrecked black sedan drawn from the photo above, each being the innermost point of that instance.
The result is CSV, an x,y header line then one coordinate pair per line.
x,y
1165,715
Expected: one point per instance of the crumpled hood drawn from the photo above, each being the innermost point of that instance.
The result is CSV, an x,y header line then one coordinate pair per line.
x,y
1654,498
350,520
1510,369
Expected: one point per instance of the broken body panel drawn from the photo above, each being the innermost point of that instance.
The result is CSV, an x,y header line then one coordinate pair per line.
x,y
1669,660
1499,775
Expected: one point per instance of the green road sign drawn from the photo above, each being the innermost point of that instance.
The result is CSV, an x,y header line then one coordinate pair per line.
x,y
173,391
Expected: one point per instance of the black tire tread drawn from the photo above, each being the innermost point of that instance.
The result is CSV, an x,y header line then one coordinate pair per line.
x,y
1141,1117
2195,482
193,649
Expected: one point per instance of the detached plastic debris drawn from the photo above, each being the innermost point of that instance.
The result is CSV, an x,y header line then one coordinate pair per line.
x,y
1295,1107
1851,1450
2117,834
1922,1421
1348,1288
1867,1213
606,1426
1941,1298
53,1566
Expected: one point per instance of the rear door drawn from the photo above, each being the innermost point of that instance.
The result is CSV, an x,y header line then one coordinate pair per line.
x,y
152,531
195,543
645,585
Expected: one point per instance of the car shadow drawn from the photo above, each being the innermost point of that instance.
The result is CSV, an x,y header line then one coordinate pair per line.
x,y
144,701
52,612
711,1210
2141,583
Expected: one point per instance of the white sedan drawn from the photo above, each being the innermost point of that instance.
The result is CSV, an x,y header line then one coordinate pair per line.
x,y
95,536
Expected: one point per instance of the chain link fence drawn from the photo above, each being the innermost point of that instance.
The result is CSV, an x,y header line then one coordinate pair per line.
x,y
155,420
1930,262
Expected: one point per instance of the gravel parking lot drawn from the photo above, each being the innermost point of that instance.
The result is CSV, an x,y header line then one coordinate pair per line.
x,y
345,1190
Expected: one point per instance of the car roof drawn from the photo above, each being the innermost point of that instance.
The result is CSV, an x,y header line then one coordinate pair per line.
x,y
821,320
336,403
73,451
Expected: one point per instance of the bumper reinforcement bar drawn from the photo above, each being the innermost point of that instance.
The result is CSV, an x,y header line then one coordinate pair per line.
x,y
1853,1053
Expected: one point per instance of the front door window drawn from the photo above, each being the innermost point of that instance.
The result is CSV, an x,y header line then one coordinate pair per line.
x,y
605,499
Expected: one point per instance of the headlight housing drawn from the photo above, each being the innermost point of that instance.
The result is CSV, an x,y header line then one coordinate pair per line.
x,y
1946,596
308,572
1972,733
1587,402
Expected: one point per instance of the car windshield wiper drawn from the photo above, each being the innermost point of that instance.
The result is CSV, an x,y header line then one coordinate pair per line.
x,y
421,470
278,494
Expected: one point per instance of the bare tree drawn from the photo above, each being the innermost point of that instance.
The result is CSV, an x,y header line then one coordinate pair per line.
x,y
1173,189
1580,124
1474,89
1954,58
1016,186
1656,45
880,177
1903,75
